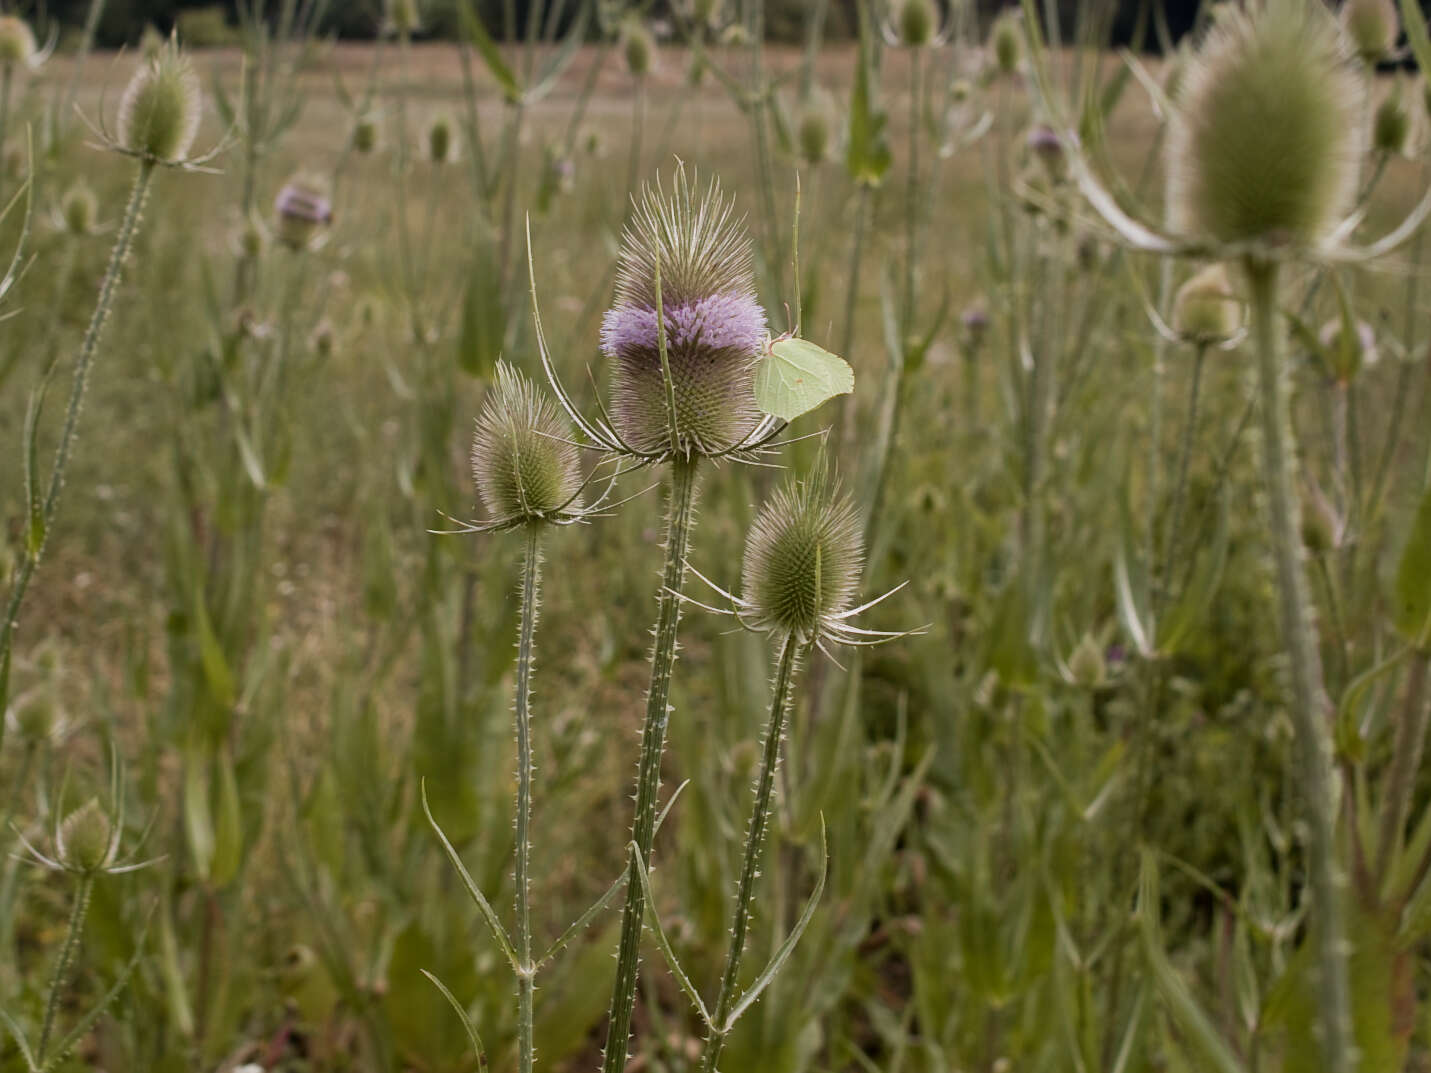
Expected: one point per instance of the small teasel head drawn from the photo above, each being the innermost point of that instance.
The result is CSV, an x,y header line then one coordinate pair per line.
x,y
17,42
1046,146
916,22
1391,125
403,16
803,558
812,135
1267,138
713,324
1372,27
86,841
523,460
1006,43
440,144
79,208
974,326
301,210
160,111
1207,310
365,134
1087,666
638,47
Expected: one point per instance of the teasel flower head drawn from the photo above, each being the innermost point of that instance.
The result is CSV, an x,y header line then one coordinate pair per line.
x,y
1391,123
691,244
301,211
802,565
1006,43
17,42
914,23
1206,310
365,134
1267,139
812,133
1087,666
403,16
441,144
161,107
79,208
1372,27
523,459
638,47
87,840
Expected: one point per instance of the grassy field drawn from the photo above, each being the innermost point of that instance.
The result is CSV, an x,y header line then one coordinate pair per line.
x,y
1061,827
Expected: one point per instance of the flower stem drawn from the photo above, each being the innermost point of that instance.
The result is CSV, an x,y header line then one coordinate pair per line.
x,y
1313,742
86,357
62,967
754,847
653,740
531,587
1405,763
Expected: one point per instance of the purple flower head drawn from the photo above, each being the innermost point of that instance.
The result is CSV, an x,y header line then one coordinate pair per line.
x,y
301,209
714,324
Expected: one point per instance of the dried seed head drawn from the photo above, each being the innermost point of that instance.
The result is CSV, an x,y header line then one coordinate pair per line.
x,y
638,46
1391,125
1006,40
439,140
1372,26
1268,135
713,324
813,133
1206,309
78,208
365,134
916,22
301,209
522,456
17,41
161,107
802,558
83,843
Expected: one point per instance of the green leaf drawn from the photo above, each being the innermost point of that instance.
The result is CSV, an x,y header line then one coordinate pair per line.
x,y
217,674
1414,22
467,1026
228,828
487,48
867,156
198,816
1412,595
795,376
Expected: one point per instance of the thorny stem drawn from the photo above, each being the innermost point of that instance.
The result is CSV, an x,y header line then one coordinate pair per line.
x,y
86,357
531,582
62,966
1308,711
911,197
1405,763
653,739
754,848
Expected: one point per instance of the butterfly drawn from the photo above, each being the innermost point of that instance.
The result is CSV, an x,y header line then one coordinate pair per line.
x,y
794,376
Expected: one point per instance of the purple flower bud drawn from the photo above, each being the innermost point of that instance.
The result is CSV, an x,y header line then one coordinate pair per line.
x,y
301,209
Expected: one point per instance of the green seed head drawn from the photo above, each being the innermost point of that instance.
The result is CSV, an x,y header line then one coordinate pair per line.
x,y
35,714
1372,27
1087,665
916,22
17,41
365,134
802,558
1391,126
522,458
813,133
439,140
1268,135
161,107
404,16
78,208
638,47
83,844
1207,310
1006,41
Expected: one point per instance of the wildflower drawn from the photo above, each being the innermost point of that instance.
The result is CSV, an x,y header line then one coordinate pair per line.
x,y
1372,27
1006,41
813,133
161,107
301,209
78,208
522,460
1206,310
1087,666
916,23
638,47
17,42
440,141
1046,147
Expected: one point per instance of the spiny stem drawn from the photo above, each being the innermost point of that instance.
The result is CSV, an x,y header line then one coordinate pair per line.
x,y
1405,763
754,847
653,740
1313,744
62,967
88,347
531,583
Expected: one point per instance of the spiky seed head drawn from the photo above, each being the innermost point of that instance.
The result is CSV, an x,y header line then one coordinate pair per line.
x,y
35,714
1391,125
17,41
638,46
78,208
1269,132
404,16
1207,310
365,134
1348,352
83,843
803,558
1372,26
1087,665
253,238
523,459
735,35
151,42
439,140
160,111
713,323
813,133
916,21
1006,40
975,324
301,210
324,339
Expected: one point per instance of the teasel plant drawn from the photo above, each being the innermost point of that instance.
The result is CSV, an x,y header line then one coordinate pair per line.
x,y
157,121
19,50
801,569
528,475
1266,140
683,336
